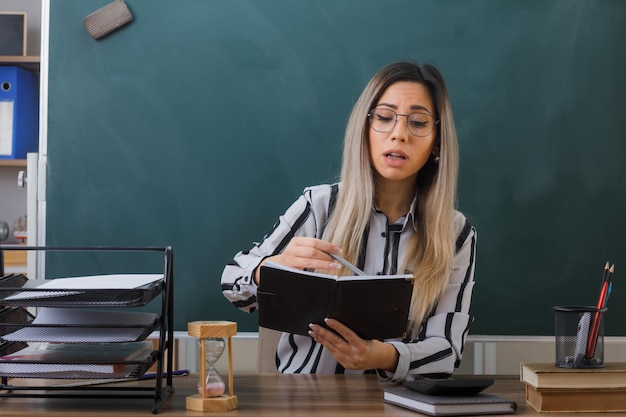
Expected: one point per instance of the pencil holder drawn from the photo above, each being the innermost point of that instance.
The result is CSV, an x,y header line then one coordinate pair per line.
x,y
579,333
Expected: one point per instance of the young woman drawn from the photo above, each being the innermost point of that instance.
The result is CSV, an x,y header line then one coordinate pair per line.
x,y
392,212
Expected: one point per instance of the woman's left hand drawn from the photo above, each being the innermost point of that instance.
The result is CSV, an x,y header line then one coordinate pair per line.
x,y
351,351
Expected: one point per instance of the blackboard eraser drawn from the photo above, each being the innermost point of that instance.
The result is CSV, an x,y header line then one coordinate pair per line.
x,y
107,19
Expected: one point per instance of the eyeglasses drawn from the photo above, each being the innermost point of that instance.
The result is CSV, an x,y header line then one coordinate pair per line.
x,y
418,123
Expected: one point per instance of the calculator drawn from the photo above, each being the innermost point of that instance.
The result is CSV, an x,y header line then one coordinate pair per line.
x,y
449,386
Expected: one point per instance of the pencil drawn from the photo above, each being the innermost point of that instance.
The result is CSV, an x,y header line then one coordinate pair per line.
x,y
606,272
347,264
595,327
609,285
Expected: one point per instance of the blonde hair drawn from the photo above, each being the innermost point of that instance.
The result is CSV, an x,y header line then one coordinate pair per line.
x,y
431,252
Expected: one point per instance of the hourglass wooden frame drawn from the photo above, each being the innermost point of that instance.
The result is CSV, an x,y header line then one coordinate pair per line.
x,y
210,330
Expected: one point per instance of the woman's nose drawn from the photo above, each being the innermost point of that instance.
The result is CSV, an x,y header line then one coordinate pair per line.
x,y
400,131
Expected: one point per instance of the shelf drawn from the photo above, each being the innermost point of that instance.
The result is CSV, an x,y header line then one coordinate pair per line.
x,y
28,62
12,162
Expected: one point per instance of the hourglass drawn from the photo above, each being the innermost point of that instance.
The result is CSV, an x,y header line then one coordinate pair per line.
x,y
211,350
211,386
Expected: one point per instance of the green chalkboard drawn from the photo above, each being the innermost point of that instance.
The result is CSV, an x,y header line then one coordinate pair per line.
x,y
199,122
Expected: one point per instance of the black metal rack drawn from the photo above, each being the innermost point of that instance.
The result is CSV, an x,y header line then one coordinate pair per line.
x,y
29,294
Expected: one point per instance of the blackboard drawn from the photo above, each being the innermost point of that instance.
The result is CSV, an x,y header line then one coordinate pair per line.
x,y
12,33
197,124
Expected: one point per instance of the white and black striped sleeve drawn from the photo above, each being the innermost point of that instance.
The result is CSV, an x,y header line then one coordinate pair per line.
x,y
438,348
305,217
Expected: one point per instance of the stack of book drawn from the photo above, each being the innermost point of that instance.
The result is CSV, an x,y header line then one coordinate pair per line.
x,y
550,388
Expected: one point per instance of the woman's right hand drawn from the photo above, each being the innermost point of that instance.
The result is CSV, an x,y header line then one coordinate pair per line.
x,y
305,252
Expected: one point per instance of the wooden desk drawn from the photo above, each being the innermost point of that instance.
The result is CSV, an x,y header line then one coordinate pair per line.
x,y
264,396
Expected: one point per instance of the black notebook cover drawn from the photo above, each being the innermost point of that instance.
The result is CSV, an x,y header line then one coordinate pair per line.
x,y
374,307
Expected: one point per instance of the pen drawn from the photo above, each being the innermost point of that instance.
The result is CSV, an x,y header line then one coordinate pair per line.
x,y
182,372
152,375
347,264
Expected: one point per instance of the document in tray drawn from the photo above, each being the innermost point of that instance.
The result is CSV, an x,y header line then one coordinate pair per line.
x,y
76,285
373,306
67,325
61,359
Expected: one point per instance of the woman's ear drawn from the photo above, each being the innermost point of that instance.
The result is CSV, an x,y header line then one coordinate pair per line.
x,y
434,155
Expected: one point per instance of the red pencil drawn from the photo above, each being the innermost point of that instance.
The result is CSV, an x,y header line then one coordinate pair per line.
x,y
595,327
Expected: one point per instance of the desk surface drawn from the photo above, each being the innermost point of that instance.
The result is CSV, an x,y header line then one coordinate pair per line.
x,y
263,395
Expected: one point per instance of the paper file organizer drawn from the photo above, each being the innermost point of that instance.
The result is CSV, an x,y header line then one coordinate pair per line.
x,y
19,112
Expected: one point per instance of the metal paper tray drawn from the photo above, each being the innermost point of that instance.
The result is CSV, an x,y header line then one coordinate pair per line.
x,y
81,333
37,297
100,370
